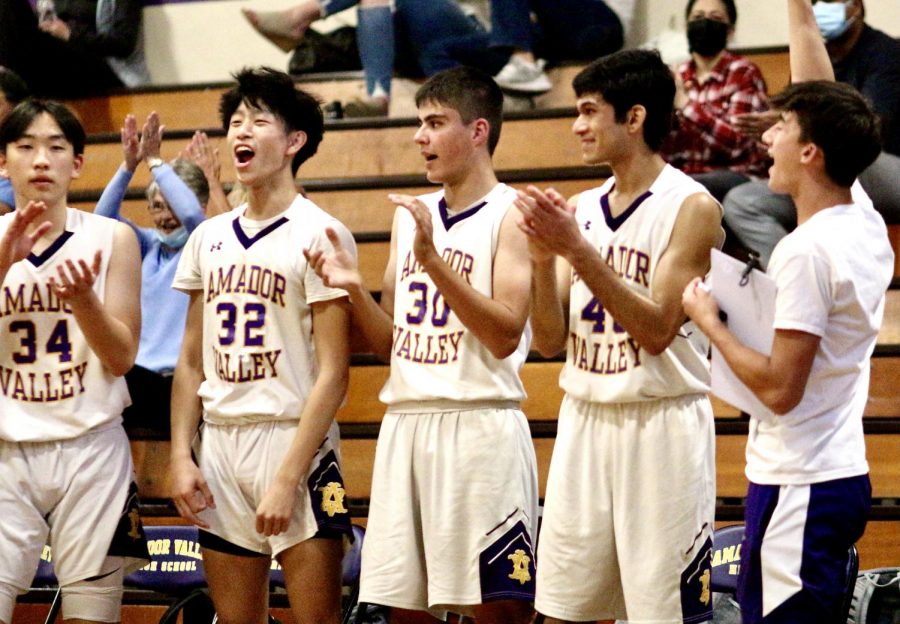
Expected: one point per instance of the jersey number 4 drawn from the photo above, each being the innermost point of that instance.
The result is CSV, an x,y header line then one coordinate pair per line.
x,y
58,342
595,313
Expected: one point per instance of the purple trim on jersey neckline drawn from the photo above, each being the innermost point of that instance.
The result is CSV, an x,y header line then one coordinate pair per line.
x,y
247,241
451,221
38,260
615,223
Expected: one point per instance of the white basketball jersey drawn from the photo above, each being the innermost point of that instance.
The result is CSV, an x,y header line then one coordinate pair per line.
x,y
603,363
434,358
259,359
52,385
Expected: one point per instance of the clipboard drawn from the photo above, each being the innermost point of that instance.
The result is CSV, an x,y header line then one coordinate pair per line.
x,y
747,296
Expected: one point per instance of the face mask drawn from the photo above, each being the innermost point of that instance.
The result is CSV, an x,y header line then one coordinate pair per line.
x,y
174,239
831,17
707,37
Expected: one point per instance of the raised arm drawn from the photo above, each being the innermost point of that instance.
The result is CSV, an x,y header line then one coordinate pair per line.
x,y
112,328
110,202
201,153
497,321
331,321
809,58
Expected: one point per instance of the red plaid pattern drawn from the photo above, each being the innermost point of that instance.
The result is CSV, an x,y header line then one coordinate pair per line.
x,y
705,139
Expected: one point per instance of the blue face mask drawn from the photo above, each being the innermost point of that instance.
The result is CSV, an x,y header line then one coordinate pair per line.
x,y
831,17
174,239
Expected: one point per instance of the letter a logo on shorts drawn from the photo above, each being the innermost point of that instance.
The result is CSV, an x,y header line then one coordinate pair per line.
x,y
520,563
333,499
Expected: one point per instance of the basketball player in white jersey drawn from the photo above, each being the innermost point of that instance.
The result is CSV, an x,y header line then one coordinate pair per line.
x,y
809,494
454,491
264,362
628,514
69,325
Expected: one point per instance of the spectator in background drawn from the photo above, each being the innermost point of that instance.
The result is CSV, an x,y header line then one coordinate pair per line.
x,y
713,88
553,30
866,59
81,48
12,91
434,35
177,199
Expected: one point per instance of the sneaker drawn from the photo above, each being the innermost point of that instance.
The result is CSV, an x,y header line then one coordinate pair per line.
x,y
523,77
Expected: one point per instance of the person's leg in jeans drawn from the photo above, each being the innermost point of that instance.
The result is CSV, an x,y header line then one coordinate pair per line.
x,y
375,38
720,181
440,36
512,32
758,217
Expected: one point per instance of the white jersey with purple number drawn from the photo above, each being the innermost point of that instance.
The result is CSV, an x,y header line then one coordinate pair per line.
x,y
604,364
52,385
434,358
259,360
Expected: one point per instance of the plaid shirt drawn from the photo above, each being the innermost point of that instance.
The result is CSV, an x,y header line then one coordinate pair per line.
x,y
705,139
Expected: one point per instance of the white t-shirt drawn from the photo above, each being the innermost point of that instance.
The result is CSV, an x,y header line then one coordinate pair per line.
x,y
831,274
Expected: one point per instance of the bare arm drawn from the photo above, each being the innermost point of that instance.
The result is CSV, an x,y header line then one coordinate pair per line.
x,y
809,58
339,270
497,321
112,328
331,320
778,380
189,490
550,278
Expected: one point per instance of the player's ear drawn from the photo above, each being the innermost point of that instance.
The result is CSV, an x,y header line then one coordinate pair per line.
x,y
296,140
77,165
635,117
3,165
481,131
809,152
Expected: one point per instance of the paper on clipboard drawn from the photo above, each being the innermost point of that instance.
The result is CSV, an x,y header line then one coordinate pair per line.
x,y
751,314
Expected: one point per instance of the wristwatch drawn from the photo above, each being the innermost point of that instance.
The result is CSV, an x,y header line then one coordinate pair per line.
x,y
154,162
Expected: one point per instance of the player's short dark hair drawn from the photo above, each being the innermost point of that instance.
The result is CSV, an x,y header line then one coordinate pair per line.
x,y
839,120
472,93
631,78
21,117
268,89
730,10
12,86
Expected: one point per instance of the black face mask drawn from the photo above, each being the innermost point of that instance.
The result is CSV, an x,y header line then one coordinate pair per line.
x,y
707,37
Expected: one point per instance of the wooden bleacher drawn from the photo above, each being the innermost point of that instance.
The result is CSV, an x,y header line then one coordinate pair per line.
x,y
357,165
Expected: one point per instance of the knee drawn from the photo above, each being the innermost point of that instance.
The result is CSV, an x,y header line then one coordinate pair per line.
x,y
97,599
8,595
